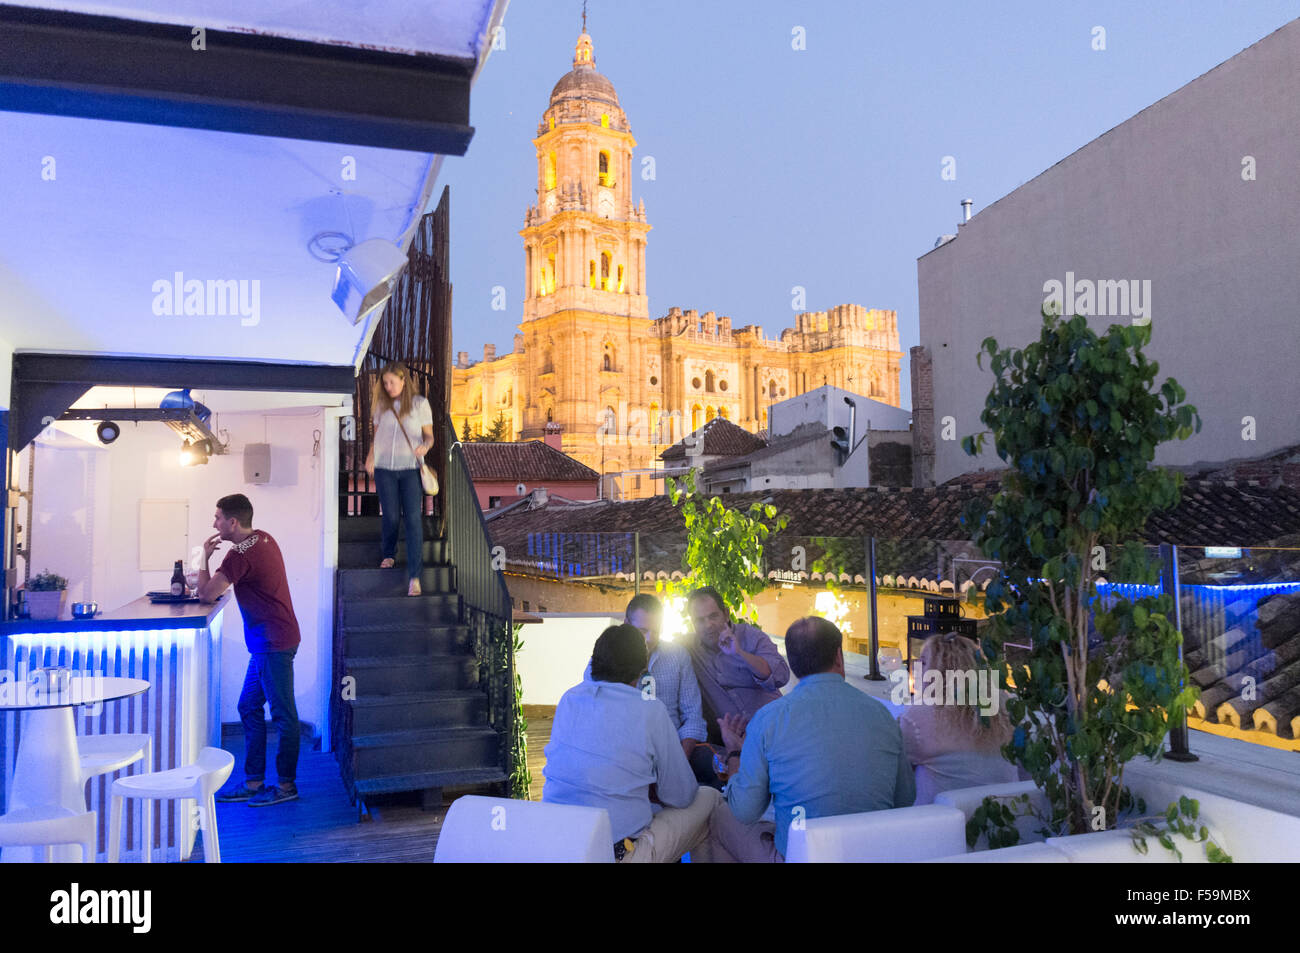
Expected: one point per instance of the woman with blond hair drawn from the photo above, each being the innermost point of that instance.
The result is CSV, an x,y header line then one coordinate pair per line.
x,y
956,724
403,428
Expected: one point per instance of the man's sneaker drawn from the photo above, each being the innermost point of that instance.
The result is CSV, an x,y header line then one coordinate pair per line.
x,y
273,794
236,791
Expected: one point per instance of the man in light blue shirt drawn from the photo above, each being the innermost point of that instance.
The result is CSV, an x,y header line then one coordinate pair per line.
x,y
824,749
670,678
610,742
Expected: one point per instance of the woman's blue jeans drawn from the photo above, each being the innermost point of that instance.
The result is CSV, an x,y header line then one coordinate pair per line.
x,y
400,493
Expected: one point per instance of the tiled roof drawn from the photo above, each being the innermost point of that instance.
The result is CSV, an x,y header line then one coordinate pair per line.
x,y
1210,514
721,437
525,461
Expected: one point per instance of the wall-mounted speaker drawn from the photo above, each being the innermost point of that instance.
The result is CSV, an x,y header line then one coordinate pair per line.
x,y
257,463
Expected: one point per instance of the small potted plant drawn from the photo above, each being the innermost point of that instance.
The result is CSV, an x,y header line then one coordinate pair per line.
x,y
45,594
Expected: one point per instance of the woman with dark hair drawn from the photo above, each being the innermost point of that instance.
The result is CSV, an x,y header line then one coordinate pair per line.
x,y
395,458
955,740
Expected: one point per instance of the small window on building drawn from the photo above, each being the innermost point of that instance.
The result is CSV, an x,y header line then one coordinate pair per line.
x,y
605,263
494,502
619,289
605,365
722,385
604,120
708,381
654,381
695,382
591,272
548,415
526,609
550,170
606,178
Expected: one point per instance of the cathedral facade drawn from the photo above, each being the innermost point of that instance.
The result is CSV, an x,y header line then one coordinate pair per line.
x,y
591,365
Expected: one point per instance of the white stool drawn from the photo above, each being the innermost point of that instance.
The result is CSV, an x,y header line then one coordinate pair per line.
x,y
198,782
104,754
48,826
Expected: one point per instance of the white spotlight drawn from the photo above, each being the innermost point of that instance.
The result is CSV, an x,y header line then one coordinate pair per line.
x,y
365,277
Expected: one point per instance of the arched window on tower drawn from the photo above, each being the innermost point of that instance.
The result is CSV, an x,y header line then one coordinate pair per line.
x,y
722,412
549,415
609,424
697,414
619,289
606,365
605,263
771,390
550,170
606,179
550,274
591,272
710,414
708,381
876,389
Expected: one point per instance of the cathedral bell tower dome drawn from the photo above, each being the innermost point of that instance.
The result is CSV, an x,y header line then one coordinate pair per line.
x,y
584,240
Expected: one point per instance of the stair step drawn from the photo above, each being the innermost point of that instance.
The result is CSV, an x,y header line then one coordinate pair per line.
x,y
365,553
384,641
404,752
370,528
403,674
437,609
418,781
374,715
370,581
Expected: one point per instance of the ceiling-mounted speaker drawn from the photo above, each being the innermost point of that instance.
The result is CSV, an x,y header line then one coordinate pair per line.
x,y
257,463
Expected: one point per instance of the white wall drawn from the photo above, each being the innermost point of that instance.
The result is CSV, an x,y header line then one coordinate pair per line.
x,y
825,405
556,653
1160,198
86,515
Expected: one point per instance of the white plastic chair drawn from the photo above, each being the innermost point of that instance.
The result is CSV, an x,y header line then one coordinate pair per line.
x,y
47,827
198,782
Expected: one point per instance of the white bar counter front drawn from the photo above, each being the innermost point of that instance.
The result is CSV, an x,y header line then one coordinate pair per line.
x,y
174,647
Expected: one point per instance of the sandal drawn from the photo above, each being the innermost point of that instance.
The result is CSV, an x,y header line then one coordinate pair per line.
x,y
387,563
413,588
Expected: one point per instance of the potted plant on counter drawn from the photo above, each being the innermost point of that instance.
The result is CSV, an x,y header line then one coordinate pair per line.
x,y
45,594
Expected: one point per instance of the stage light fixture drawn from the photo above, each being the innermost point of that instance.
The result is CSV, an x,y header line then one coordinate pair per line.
x,y
365,277
108,431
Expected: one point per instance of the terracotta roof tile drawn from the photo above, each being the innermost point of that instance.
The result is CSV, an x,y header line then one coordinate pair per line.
x,y
721,438
529,460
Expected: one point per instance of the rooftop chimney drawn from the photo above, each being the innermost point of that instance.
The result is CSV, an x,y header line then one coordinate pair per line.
x,y
462,358
489,352
966,204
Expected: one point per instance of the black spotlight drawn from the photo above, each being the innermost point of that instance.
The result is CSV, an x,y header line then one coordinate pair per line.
x,y
108,431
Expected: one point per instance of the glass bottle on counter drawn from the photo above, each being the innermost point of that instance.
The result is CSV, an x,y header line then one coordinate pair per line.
x,y
178,580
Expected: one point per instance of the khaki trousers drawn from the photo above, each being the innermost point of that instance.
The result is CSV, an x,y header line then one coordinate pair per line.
x,y
732,842
676,831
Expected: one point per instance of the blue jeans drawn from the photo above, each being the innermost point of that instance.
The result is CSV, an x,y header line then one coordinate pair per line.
x,y
270,676
400,491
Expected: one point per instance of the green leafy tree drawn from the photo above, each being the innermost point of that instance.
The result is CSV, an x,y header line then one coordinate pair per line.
x,y
1078,419
724,546
499,431
465,435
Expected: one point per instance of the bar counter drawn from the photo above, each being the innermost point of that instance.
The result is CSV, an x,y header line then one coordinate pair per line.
x,y
177,649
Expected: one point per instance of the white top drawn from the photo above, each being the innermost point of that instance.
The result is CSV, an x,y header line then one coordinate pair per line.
x,y
391,449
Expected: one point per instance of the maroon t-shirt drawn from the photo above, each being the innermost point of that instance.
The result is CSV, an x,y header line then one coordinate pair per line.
x,y
256,569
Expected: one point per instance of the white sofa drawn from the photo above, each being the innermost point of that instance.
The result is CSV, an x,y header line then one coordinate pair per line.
x,y
901,834
502,830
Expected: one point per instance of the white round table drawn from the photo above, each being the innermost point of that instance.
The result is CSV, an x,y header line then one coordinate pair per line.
x,y
48,769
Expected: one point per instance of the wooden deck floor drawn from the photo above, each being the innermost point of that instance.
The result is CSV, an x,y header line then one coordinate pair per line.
x,y
322,827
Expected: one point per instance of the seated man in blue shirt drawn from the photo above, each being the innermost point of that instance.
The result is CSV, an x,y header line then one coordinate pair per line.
x,y
824,749
610,742
670,678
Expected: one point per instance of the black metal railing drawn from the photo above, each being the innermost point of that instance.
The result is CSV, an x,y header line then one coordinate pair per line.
x,y
485,600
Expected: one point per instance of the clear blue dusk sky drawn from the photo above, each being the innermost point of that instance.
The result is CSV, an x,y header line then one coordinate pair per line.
x,y
819,167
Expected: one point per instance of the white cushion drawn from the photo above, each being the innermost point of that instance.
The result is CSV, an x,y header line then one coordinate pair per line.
x,y
901,834
1116,847
967,800
1249,834
502,830
1039,853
